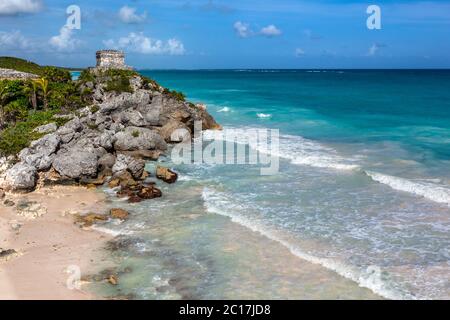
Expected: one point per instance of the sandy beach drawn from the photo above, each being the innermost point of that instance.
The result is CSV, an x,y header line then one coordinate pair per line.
x,y
40,228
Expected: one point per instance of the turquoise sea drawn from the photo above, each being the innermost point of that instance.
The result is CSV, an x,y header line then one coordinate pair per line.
x,y
360,207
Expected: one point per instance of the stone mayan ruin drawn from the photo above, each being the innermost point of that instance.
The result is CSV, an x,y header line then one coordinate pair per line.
x,y
111,59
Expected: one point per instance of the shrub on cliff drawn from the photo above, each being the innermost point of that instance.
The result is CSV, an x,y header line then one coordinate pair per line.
x,y
18,136
178,95
53,74
64,96
119,84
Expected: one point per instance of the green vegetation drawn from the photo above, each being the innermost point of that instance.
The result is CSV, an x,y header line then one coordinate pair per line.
x,y
54,74
31,67
95,108
86,76
119,84
20,65
180,96
135,133
16,137
27,104
118,80
92,126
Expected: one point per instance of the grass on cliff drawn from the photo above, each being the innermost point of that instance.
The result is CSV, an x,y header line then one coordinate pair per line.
x,y
27,66
18,136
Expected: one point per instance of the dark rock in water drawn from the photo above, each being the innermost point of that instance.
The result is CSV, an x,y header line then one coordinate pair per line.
x,y
134,199
125,179
114,183
7,252
113,279
8,203
149,193
90,219
121,243
139,192
166,175
117,213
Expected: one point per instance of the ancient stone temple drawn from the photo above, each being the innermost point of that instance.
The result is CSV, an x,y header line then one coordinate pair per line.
x,y
111,59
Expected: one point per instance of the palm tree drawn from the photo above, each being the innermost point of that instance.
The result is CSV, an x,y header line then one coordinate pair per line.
x,y
3,97
32,86
43,83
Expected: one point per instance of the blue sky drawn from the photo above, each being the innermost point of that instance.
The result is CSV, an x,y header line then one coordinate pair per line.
x,y
195,34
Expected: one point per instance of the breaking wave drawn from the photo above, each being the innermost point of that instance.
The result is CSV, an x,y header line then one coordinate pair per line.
x,y
430,191
370,277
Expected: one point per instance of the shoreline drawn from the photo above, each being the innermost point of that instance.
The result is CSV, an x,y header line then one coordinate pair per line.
x,y
49,244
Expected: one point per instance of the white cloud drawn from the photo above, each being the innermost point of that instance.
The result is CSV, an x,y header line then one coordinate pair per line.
x,y
270,31
129,15
138,42
13,7
13,40
299,52
242,29
64,41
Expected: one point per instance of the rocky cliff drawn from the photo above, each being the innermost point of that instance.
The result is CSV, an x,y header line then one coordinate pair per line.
x,y
130,119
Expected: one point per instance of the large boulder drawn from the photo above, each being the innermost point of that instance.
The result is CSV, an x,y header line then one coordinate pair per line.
x,y
125,101
106,161
134,165
135,138
166,174
175,131
67,132
21,176
46,128
77,162
41,153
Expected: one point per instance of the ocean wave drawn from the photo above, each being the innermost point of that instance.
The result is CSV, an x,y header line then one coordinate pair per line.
x,y
428,190
370,277
224,109
301,151
298,150
264,115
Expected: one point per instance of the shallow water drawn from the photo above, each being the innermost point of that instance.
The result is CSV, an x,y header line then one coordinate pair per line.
x,y
359,209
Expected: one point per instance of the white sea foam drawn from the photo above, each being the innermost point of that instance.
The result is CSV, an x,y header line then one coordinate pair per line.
x,y
224,109
431,191
301,151
297,149
371,277
112,232
264,115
